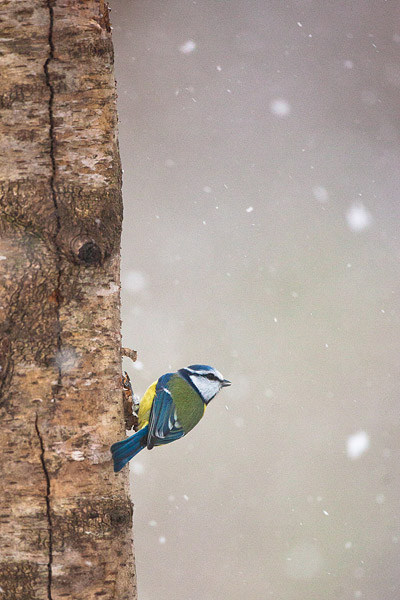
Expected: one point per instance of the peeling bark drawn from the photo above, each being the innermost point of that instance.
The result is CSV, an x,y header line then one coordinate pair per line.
x,y
65,517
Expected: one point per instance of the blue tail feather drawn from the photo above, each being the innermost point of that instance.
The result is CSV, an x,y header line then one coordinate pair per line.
x,y
123,451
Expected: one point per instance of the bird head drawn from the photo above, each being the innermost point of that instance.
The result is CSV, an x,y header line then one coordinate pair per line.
x,y
207,380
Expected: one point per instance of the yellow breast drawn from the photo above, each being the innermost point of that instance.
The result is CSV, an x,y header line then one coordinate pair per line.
x,y
146,404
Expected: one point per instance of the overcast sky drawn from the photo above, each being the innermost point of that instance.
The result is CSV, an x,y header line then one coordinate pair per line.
x,y
260,147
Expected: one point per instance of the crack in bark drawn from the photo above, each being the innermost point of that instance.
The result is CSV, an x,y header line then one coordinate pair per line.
x,y
50,57
48,509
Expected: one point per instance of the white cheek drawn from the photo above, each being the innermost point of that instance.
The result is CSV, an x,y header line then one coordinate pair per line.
x,y
207,388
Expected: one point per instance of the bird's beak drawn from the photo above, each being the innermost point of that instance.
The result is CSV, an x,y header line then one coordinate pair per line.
x,y
226,382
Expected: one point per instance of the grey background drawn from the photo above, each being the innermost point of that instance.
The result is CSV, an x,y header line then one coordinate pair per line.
x,y
296,301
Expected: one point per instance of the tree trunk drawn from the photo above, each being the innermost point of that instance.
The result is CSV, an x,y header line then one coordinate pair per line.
x,y
65,517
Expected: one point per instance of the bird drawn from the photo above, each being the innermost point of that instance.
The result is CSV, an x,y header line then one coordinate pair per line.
x,y
169,409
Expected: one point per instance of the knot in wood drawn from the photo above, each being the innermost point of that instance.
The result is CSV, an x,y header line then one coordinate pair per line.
x,y
86,250
89,253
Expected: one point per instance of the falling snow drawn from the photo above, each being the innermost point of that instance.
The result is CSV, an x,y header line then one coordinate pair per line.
x,y
280,107
320,193
153,523
66,359
358,217
357,444
188,47
134,282
137,467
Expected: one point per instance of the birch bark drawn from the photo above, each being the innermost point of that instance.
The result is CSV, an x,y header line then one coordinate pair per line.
x,y
65,517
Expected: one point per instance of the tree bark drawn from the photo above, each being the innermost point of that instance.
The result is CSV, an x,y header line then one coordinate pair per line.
x,y
65,517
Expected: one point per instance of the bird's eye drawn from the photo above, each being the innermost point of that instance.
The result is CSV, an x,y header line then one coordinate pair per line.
x,y
211,376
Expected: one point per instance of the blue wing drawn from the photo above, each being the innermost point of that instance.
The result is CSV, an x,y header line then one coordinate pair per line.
x,y
164,426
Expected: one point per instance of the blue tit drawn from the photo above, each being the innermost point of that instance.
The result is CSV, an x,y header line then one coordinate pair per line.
x,y
169,409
